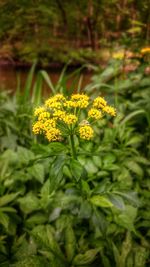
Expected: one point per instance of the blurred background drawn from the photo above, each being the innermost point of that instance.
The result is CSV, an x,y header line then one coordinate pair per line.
x,y
76,32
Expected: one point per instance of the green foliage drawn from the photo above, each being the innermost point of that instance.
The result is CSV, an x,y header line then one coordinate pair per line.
x,y
89,211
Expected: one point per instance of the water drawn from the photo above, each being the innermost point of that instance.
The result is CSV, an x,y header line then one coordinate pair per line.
x,y
10,75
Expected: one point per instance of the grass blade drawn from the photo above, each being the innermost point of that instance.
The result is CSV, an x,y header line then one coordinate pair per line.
x,y
37,91
28,84
48,80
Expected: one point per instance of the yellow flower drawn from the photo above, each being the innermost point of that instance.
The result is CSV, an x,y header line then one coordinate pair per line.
x,y
110,110
99,102
94,113
58,108
50,123
37,127
59,97
70,119
38,111
86,132
81,100
70,104
44,115
55,102
59,114
53,134
145,50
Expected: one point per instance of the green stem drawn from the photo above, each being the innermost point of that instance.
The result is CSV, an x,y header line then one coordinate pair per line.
x,y
73,150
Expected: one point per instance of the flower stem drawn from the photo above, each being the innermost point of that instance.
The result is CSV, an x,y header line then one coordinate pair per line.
x,y
73,150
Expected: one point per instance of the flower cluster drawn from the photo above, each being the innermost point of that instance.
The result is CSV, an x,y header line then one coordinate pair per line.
x,y
61,116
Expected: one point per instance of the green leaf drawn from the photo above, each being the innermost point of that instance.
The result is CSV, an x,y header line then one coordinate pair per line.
x,y
38,218
4,219
134,140
102,187
8,209
130,196
70,242
127,217
134,167
101,201
7,198
32,261
90,167
125,249
10,156
56,172
37,171
105,260
85,187
76,169
46,194
86,258
109,159
54,246
55,214
24,155
29,203
58,147
97,161
141,256
37,91
28,84
132,115
48,81
117,201
85,210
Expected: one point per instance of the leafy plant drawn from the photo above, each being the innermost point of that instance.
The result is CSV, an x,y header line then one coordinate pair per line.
x,y
88,210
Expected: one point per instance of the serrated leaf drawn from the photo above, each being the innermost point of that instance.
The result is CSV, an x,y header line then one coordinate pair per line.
x,y
101,201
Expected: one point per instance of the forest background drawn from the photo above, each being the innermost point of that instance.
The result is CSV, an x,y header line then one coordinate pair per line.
x,y
56,31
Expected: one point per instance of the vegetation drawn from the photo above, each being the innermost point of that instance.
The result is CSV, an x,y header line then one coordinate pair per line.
x,y
52,31
89,209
